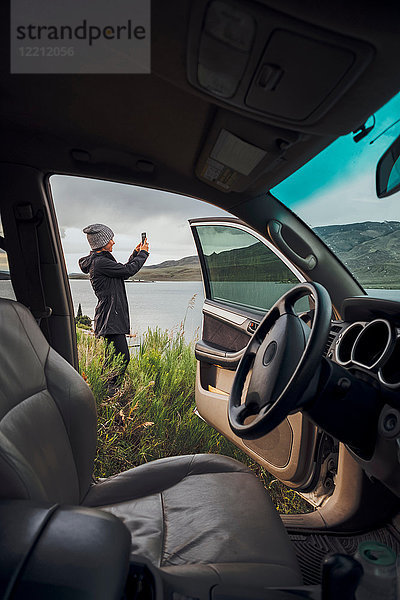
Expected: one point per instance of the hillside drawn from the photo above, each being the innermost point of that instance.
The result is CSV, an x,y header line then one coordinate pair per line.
x,y
370,250
185,269
77,276
182,262
252,263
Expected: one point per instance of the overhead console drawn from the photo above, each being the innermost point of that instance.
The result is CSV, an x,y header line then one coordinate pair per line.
x,y
268,63
238,151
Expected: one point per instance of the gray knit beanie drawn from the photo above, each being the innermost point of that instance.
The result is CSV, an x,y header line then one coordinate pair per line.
x,y
98,235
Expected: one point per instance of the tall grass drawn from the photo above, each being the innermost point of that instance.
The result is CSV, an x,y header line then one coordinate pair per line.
x,y
152,415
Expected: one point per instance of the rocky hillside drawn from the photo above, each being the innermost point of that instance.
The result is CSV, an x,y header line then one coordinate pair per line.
x,y
371,250
185,269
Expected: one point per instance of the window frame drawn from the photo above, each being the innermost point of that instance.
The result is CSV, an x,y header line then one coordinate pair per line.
x,y
3,249
243,227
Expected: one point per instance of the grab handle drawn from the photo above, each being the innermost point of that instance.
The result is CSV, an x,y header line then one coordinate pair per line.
x,y
275,232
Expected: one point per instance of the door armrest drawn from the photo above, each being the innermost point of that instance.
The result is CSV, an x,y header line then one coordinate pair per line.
x,y
217,356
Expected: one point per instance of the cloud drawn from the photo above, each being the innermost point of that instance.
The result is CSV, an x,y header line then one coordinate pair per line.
x,y
350,201
128,210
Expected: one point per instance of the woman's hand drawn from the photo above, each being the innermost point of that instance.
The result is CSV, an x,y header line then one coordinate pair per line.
x,y
142,246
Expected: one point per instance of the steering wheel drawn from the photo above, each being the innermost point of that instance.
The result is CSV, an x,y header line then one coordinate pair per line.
x,y
282,360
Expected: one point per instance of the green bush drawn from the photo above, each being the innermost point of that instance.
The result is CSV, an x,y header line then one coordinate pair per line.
x,y
82,326
152,415
82,321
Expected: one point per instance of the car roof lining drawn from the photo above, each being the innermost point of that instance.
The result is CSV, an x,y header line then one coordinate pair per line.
x,y
45,117
162,119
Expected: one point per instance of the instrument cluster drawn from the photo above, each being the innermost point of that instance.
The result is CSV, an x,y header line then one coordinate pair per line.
x,y
374,346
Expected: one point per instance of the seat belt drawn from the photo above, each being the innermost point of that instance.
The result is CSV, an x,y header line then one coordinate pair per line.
x,y
27,224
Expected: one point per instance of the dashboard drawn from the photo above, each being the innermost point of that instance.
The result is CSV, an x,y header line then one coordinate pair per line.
x,y
367,340
366,343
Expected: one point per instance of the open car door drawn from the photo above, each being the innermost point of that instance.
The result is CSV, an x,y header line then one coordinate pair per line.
x,y
243,276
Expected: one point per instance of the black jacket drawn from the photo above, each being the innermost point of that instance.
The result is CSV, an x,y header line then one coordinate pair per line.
x,y
107,279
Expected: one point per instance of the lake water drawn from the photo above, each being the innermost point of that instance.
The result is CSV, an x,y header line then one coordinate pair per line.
x,y
165,304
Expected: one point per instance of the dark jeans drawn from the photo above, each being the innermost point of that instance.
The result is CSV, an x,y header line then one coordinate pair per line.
x,y
120,347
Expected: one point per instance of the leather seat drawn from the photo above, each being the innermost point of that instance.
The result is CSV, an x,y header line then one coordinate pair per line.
x,y
204,516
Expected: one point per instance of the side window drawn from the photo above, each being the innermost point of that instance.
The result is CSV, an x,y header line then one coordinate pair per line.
x,y
6,288
242,270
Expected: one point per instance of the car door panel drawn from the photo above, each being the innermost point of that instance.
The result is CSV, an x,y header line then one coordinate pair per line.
x,y
225,334
280,451
287,452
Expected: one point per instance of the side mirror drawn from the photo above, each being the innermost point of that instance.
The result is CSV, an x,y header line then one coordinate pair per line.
x,y
388,171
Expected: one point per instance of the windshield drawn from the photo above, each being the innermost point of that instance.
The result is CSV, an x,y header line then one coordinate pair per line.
x,y
335,195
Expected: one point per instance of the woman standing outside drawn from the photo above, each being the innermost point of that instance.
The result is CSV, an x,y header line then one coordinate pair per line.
x,y
111,319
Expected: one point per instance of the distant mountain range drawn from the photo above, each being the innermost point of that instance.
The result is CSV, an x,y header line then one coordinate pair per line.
x,y
182,262
185,269
370,250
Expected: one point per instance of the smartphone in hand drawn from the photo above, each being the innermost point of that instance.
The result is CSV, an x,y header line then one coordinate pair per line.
x,y
144,235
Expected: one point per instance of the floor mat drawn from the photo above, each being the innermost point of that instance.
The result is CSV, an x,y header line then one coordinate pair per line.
x,y
312,548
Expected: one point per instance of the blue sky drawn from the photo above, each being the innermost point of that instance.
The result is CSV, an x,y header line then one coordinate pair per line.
x,y
338,186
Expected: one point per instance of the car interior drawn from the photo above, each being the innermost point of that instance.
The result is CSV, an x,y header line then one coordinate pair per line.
x,y
241,95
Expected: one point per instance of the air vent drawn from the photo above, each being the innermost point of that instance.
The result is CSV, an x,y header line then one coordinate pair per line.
x,y
335,330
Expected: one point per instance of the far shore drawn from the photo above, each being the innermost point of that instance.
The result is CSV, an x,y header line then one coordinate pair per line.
x,y
72,276
156,275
